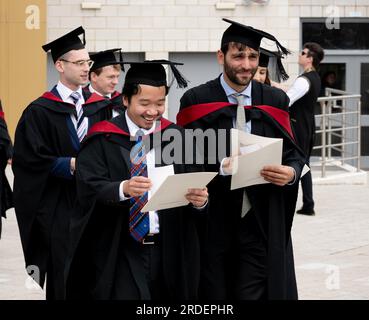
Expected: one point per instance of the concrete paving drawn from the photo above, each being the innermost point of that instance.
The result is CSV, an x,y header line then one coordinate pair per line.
x,y
331,249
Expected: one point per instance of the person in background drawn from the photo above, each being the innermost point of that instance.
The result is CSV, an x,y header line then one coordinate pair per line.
x,y
104,77
329,80
262,74
6,153
303,96
47,139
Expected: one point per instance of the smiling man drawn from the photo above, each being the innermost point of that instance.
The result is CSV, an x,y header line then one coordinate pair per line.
x,y
125,253
247,253
104,77
47,140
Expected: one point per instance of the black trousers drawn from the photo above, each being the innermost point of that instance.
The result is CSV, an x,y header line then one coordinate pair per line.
x,y
139,275
234,264
307,191
251,273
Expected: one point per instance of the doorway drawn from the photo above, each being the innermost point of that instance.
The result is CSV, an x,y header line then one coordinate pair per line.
x,y
350,72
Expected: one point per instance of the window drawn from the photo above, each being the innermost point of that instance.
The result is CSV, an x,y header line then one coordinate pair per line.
x,y
350,35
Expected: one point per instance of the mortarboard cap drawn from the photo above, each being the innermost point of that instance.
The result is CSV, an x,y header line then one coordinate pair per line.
x,y
106,58
66,43
248,36
152,72
265,56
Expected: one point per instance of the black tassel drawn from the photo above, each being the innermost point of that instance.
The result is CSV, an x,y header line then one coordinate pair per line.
x,y
121,60
282,48
181,81
281,72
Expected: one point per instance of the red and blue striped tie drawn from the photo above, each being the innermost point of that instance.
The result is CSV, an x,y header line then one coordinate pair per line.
x,y
138,221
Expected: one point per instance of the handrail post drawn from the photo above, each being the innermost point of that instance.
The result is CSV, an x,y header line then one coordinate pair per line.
x,y
323,139
359,135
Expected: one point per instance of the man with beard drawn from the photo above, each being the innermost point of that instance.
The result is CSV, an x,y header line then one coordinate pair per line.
x,y
104,77
47,140
246,249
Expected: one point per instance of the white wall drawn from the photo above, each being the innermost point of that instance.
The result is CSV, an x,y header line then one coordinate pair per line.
x,y
158,27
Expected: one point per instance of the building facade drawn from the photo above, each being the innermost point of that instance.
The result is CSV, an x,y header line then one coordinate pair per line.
x,y
190,31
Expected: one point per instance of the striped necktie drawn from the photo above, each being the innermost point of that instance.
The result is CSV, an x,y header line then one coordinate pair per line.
x,y
138,221
241,125
81,120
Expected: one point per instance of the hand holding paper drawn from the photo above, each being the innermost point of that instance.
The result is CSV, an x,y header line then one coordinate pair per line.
x,y
278,174
197,196
136,186
172,191
256,153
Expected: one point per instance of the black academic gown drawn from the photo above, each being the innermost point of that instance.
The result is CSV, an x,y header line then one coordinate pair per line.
x,y
107,264
116,103
44,188
270,218
6,150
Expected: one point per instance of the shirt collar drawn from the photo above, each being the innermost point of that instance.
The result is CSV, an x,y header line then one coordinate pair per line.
x,y
65,92
133,128
92,90
230,91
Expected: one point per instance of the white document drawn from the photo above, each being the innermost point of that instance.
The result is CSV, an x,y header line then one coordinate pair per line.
x,y
157,176
171,192
305,170
252,153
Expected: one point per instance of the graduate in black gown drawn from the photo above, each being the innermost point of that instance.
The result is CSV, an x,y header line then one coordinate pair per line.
x,y
104,77
112,261
263,74
246,253
47,140
6,152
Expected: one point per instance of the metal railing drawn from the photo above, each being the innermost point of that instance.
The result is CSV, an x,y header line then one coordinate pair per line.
x,y
339,127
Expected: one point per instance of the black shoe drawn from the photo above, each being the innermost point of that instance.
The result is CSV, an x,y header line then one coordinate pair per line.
x,y
307,212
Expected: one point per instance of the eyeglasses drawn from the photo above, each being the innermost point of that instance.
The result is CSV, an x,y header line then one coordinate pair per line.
x,y
303,53
80,63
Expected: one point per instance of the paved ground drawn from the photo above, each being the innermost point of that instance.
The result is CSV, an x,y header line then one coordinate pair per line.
x,y
331,249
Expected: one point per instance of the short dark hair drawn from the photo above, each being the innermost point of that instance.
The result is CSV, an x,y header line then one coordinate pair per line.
x,y
315,51
131,89
239,46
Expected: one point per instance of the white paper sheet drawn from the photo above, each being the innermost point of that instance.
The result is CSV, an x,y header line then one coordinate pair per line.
x,y
252,153
171,193
157,176
305,170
